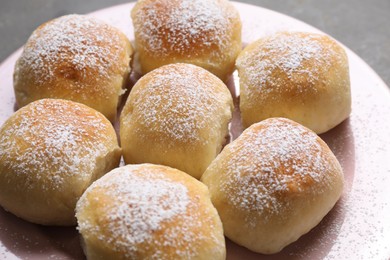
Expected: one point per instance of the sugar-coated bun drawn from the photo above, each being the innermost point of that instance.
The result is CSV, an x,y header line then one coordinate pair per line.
x,y
176,115
273,184
206,33
74,57
297,75
149,212
50,151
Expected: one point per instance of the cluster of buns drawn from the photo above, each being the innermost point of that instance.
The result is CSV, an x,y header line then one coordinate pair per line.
x,y
267,188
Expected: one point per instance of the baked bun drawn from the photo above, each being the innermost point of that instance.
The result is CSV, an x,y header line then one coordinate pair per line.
x,y
206,33
149,212
50,151
74,57
297,75
176,115
273,184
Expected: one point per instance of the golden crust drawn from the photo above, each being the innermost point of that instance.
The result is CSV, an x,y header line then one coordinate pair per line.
x,y
301,76
176,115
178,221
50,151
273,184
77,58
203,33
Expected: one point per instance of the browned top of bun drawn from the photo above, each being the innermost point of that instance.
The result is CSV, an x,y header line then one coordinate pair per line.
x,y
76,49
290,65
184,28
273,162
54,139
177,104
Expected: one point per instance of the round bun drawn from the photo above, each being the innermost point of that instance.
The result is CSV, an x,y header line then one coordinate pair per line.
x,y
50,151
273,184
300,76
206,33
77,58
176,115
149,212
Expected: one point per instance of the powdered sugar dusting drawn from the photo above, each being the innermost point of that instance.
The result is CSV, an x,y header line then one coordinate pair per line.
x,y
166,26
284,157
143,202
71,43
178,102
287,53
49,141
159,200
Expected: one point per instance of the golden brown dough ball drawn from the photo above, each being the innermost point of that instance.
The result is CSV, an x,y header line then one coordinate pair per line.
x,y
50,151
149,212
297,75
74,57
206,33
273,184
176,115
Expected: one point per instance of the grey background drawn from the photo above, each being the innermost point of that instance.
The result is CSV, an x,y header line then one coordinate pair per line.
x,y
362,25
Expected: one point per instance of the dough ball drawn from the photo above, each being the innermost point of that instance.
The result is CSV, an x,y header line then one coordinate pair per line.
x,y
273,184
50,151
149,212
74,57
297,75
206,33
176,115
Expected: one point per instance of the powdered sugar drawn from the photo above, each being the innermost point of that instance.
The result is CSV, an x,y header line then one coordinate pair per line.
x,y
272,160
48,143
179,102
158,200
287,53
70,44
177,26
142,203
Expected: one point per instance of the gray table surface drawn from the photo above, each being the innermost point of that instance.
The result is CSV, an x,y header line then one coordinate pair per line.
x,y
362,25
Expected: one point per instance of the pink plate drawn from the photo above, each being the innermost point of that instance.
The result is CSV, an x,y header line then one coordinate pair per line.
x,y
357,228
